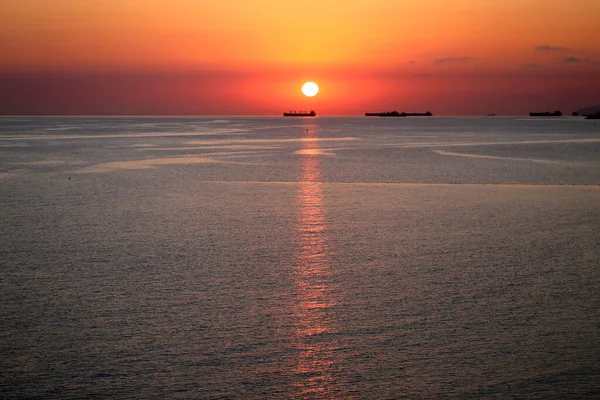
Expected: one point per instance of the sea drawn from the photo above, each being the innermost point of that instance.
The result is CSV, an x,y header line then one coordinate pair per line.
x,y
299,258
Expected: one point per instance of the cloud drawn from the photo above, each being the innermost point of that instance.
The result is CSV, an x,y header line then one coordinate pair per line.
x,y
571,60
532,65
452,60
592,60
544,47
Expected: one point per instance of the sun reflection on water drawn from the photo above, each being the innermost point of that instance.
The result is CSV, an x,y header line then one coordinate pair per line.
x,y
315,320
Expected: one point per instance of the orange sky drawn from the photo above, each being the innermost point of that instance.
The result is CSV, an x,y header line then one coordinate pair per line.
x,y
251,57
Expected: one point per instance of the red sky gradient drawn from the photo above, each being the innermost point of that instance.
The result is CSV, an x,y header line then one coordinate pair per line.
x,y
190,57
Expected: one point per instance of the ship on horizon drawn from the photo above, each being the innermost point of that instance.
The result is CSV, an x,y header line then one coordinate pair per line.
x,y
310,113
546,114
385,114
395,113
425,114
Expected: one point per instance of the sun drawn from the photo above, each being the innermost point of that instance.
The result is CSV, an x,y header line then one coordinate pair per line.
x,y
310,89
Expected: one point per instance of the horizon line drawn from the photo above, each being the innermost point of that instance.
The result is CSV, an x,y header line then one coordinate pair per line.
x,y
259,115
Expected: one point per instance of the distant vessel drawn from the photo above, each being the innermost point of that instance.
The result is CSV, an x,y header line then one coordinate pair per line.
x,y
385,114
546,114
397,114
491,114
425,114
594,116
310,113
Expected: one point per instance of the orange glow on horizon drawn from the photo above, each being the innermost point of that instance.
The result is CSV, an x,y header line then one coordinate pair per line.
x,y
363,54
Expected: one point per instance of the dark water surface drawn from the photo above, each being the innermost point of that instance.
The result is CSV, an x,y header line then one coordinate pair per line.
x,y
274,258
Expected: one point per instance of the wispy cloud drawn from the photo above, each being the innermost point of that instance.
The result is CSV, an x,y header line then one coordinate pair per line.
x,y
545,47
448,60
571,60
591,60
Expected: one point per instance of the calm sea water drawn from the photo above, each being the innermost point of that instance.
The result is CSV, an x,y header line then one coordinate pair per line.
x,y
277,258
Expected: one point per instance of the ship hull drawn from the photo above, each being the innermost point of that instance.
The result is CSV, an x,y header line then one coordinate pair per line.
x,y
300,114
397,114
546,114
425,114
385,114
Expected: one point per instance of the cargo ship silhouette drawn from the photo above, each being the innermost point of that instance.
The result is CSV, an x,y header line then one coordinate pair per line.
x,y
385,114
397,114
310,113
546,114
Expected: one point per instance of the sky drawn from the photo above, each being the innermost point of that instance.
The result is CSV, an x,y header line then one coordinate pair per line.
x,y
251,57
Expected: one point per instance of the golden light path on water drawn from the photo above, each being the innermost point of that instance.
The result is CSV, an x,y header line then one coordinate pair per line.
x,y
315,322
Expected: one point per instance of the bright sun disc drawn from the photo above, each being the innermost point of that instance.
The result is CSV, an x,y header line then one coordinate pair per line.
x,y
310,89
